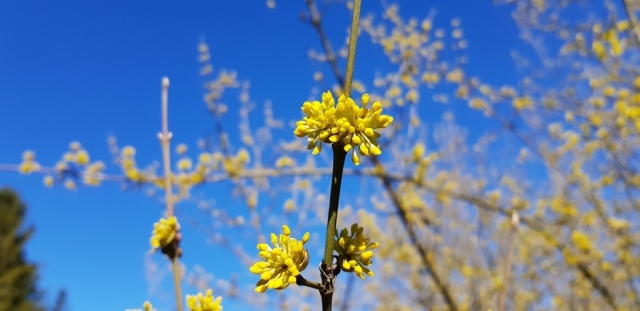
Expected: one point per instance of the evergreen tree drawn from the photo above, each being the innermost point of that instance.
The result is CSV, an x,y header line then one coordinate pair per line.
x,y
18,290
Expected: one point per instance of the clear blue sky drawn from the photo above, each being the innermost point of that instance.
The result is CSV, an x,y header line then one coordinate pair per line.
x,y
82,70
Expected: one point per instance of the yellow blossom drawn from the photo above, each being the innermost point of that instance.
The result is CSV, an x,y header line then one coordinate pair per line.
x,y
28,167
622,25
581,241
318,122
522,103
430,77
48,181
455,76
289,205
599,49
285,161
355,126
74,146
181,149
418,152
569,116
128,151
70,184
347,123
165,232
608,91
69,157
147,306
462,91
184,164
204,302
282,263
618,224
507,91
243,156
412,96
205,158
82,157
29,163
478,103
61,166
354,251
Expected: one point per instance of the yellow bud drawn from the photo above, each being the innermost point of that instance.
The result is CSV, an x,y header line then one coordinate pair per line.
x,y
346,265
355,159
286,230
265,275
365,99
317,149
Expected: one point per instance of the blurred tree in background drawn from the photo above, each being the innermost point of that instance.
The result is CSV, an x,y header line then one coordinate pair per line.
x,y
18,291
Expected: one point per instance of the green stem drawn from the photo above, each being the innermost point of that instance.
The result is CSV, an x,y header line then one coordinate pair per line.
x,y
353,38
339,155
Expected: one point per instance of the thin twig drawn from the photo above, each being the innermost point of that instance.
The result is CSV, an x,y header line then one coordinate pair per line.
x,y
507,265
632,18
326,45
301,281
165,137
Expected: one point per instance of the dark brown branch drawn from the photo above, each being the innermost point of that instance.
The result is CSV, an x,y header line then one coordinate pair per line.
x,y
316,22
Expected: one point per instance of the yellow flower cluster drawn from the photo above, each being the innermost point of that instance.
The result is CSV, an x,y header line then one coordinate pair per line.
x,y
29,163
521,103
318,122
282,263
346,123
77,154
147,306
165,232
204,302
70,167
129,167
285,161
581,241
354,251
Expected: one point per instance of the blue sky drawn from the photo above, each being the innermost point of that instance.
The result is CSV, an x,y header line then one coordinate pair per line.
x,y
83,70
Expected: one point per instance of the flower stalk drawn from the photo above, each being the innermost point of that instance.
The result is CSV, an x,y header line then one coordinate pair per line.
x,y
165,138
328,270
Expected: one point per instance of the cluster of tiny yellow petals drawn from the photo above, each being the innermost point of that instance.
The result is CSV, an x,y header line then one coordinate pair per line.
x,y
282,262
319,121
347,123
29,163
354,251
164,232
147,306
128,163
204,302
